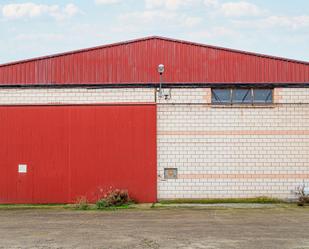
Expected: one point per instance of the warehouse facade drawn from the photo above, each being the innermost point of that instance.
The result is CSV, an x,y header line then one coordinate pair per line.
x,y
224,123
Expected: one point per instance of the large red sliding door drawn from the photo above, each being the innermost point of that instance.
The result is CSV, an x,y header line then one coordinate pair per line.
x,y
54,154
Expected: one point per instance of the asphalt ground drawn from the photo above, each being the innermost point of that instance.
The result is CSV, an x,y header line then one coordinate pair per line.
x,y
173,227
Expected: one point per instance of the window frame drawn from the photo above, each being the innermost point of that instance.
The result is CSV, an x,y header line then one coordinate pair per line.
x,y
233,90
222,103
263,103
252,102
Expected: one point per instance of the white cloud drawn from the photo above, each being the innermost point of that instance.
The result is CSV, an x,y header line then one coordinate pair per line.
x,y
170,4
32,10
292,22
40,37
212,33
107,1
191,21
164,13
71,9
211,3
26,10
238,9
156,17
271,22
147,16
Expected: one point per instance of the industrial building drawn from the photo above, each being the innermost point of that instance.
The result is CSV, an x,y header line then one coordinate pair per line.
x,y
160,117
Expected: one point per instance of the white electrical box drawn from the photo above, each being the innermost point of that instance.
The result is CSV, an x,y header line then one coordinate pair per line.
x,y
22,168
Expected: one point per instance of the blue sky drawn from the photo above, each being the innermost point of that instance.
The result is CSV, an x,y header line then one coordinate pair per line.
x,y
34,28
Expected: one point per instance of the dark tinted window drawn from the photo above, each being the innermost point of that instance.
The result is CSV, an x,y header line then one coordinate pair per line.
x,y
242,96
263,95
221,96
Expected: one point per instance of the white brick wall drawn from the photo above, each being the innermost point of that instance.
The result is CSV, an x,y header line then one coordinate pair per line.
x,y
233,151
74,95
186,95
218,151
292,95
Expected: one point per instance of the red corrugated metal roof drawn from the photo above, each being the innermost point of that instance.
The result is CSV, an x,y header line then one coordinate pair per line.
x,y
150,38
135,61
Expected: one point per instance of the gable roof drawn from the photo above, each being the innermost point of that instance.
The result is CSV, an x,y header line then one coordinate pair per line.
x,y
151,38
177,55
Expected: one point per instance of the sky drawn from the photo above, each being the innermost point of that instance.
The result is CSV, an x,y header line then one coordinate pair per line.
x,y
34,28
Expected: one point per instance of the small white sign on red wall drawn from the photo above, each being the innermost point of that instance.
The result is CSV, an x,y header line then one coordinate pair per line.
x,y
22,168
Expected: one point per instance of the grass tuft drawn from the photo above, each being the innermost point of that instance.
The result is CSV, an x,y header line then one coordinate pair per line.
x,y
90,207
32,206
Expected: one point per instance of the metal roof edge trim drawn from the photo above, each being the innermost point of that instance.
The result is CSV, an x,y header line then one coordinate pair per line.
x,y
157,84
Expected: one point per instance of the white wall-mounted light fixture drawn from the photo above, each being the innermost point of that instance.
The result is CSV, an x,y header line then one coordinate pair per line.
x,y
161,69
167,96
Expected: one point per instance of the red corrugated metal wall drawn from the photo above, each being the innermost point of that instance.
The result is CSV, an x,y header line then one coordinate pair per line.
x,y
73,151
136,62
